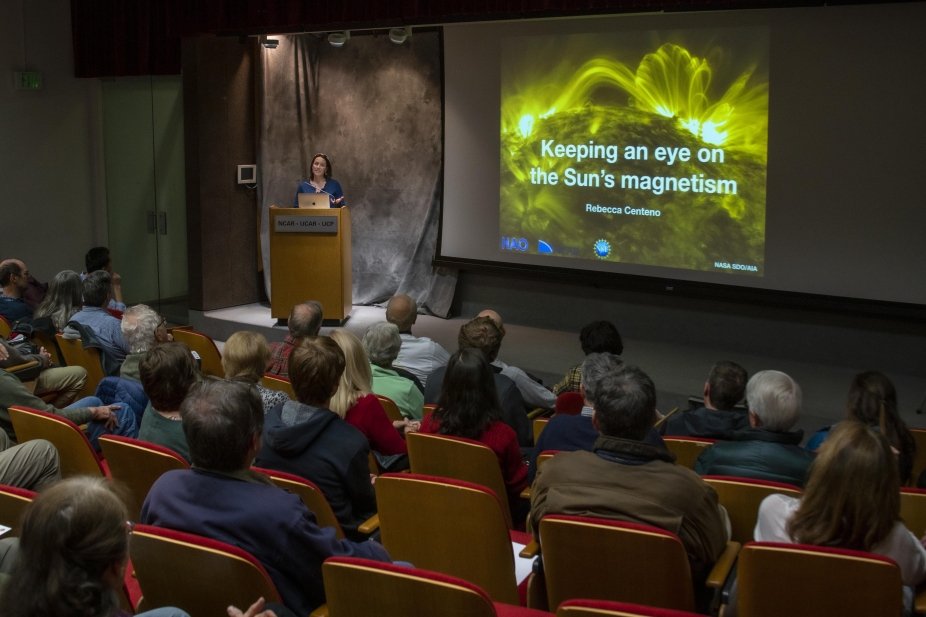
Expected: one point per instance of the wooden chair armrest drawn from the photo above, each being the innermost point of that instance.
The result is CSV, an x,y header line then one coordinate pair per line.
x,y
23,366
724,564
172,328
919,601
662,420
367,527
530,550
539,412
321,611
526,493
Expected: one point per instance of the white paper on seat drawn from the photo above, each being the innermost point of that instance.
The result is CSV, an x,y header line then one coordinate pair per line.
x,y
522,566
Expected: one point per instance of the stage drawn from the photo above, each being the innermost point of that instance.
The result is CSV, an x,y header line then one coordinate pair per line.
x,y
678,370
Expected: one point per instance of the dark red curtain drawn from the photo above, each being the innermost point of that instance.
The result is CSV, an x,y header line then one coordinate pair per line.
x,y
142,37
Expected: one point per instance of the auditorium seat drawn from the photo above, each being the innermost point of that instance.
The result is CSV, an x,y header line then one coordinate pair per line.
x,y
89,358
601,608
611,560
808,581
741,497
198,575
913,510
392,410
5,327
205,347
539,424
13,502
74,450
569,403
687,449
461,459
470,538
275,382
51,346
115,313
138,465
361,588
311,496
542,458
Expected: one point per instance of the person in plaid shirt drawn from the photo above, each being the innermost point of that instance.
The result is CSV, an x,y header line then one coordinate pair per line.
x,y
596,337
305,320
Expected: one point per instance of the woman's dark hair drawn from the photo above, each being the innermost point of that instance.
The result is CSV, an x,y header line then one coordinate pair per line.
x,y
873,401
601,337
468,401
327,166
71,535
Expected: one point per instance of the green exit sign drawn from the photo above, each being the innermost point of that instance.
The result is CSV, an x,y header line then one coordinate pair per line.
x,y
27,80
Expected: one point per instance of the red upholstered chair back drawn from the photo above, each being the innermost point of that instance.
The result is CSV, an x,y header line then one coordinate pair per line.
x,y
913,510
206,348
741,497
687,449
808,581
471,540
13,502
275,382
138,465
196,574
74,450
610,560
601,608
361,588
311,496
569,403
460,459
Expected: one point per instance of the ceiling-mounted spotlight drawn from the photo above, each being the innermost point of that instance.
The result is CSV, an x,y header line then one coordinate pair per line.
x,y
337,39
268,42
398,35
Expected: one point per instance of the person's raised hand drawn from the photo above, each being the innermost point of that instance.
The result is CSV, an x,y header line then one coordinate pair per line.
x,y
412,427
45,355
117,279
255,610
105,414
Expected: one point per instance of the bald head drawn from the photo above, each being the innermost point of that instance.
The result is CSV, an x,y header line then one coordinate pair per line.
x,y
494,317
402,311
305,319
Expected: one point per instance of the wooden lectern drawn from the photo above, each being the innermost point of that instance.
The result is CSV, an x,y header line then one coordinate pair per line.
x,y
310,260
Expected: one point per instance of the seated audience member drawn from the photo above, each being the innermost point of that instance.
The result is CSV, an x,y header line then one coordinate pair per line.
x,y
97,259
59,384
596,337
468,407
870,395
570,433
626,479
142,329
852,501
100,419
244,359
533,392
768,450
33,465
167,373
14,277
305,320
72,554
419,355
223,499
306,438
483,333
382,343
355,402
107,329
62,300
724,388
35,292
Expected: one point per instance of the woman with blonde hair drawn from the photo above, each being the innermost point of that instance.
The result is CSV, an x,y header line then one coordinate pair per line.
x,y
852,501
63,299
355,402
244,359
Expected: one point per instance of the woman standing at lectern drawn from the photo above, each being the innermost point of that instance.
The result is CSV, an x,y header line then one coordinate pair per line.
x,y
321,182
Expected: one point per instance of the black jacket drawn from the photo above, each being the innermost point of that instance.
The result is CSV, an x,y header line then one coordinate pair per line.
x,y
706,423
509,397
759,454
316,444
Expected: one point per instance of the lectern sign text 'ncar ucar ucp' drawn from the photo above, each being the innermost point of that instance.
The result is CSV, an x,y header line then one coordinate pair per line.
x,y
310,259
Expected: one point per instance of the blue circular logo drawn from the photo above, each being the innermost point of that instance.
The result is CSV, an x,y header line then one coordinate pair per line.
x,y
602,249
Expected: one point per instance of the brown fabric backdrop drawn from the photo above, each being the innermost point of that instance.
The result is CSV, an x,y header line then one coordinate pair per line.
x,y
375,109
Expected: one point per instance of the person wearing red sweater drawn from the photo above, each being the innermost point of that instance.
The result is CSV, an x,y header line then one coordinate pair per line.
x,y
468,407
355,402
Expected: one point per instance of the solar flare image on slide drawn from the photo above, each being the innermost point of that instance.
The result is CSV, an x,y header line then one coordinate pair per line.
x,y
637,147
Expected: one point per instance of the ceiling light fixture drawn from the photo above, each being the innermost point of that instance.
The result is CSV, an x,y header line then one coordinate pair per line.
x,y
398,35
268,42
337,39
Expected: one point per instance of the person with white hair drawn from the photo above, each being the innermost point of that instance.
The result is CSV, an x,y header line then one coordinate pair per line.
x,y
382,342
769,449
142,329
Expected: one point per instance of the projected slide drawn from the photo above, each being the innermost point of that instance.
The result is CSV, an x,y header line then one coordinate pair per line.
x,y
637,147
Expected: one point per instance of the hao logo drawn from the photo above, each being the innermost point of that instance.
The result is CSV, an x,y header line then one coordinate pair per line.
x,y
515,244
602,249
